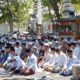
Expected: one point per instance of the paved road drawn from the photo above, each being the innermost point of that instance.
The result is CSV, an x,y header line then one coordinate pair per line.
x,y
37,76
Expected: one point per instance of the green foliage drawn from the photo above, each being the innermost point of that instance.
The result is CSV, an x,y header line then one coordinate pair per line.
x,y
19,10
51,6
46,3
76,4
47,17
75,1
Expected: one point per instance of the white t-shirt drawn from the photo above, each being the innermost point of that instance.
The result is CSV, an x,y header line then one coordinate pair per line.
x,y
8,62
76,51
47,56
32,62
61,59
70,62
19,62
18,50
52,60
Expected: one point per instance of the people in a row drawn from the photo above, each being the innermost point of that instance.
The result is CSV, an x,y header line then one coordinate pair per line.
x,y
51,59
27,57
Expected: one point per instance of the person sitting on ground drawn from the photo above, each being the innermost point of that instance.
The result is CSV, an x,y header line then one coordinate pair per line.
x,y
41,52
9,64
31,64
2,57
76,50
17,48
18,64
46,58
51,63
60,61
23,51
35,51
29,46
67,68
7,51
64,46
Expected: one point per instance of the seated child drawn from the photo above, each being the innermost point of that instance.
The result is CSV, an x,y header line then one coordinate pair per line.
x,y
31,64
67,68
9,64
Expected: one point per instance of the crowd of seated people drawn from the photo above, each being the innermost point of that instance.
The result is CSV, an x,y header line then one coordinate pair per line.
x,y
24,56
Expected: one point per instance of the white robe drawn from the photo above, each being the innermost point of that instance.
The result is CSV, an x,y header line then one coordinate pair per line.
x,y
19,62
76,52
52,60
8,63
70,62
61,59
32,62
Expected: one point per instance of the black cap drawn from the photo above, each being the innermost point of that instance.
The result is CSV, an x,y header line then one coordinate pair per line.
x,y
7,47
12,49
57,49
24,44
8,44
2,51
41,44
17,43
68,43
73,43
52,49
28,50
70,51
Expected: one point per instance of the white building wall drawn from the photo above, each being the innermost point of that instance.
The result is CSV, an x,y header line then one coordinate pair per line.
x,y
4,28
45,27
67,7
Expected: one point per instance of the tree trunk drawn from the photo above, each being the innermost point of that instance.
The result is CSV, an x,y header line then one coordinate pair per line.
x,y
51,18
50,14
11,27
55,7
10,22
10,18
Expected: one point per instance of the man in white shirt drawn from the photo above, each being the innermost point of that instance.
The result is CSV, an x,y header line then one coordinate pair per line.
x,y
9,64
31,64
18,64
76,50
51,63
35,51
47,54
67,68
60,60
29,46
17,48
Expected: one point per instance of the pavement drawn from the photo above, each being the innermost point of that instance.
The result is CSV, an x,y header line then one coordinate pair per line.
x,y
37,76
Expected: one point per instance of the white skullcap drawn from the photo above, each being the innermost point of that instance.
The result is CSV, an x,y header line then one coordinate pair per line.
x,y
34,47
46,44
56,41
50,43
30,43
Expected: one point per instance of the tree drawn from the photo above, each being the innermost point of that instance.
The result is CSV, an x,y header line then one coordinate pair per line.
x,y
76,4
47,16
52,4
14,11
